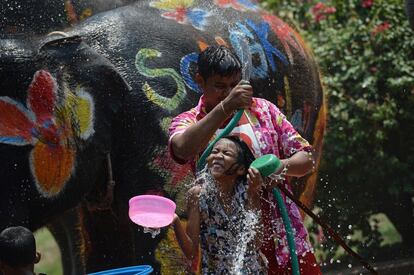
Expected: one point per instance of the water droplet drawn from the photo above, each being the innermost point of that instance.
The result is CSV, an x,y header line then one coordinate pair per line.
x,y
153,231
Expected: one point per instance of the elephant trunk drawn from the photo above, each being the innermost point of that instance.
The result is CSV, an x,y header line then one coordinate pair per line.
x,y
409,9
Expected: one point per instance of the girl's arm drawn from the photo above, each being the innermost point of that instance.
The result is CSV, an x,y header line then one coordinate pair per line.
x,y
255,182
254,191
189,238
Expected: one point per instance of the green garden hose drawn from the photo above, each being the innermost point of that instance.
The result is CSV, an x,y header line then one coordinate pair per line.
x,y
267,165
289,232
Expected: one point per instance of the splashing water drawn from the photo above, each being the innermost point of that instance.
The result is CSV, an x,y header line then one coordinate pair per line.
x,y
243,230
247,237
153,231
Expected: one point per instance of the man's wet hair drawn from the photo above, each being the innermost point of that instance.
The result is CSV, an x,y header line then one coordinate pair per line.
x,y
17,246
218,60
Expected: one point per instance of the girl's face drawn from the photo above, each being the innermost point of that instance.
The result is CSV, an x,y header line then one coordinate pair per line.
x,y
222,160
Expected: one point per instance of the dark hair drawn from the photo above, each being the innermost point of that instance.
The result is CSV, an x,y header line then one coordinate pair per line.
x,y
17,246
218,60
245,156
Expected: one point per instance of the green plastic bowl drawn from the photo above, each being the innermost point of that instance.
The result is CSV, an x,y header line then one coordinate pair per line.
x,y
266,164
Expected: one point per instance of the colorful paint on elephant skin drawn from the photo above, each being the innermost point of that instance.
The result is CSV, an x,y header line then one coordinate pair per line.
x,y
185,64
177,178
263,51
286,35
181,12
172,259
49,124
262,31
241,34
240,5
176,172
164,102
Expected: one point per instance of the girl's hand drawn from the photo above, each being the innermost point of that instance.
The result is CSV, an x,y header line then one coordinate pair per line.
x,y
255,180
175,219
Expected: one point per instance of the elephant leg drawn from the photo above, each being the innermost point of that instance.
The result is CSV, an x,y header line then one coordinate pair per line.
x,y
66,230
110,240
116,241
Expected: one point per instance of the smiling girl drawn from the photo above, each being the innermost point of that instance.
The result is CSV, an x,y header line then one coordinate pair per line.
x,y
224,213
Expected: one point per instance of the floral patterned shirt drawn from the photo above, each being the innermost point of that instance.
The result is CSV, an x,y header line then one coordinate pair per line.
x,y
272,134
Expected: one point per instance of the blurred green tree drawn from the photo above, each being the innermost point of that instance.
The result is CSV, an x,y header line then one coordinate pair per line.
x,y
365,49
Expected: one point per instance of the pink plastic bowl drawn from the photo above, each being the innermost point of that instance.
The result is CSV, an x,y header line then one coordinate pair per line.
x,y
151,211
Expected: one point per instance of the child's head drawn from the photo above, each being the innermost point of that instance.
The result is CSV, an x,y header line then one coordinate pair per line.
x,y
17,249
219,71
218,60
230,158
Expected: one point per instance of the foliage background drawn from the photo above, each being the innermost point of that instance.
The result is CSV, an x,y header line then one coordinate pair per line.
x,y
365,49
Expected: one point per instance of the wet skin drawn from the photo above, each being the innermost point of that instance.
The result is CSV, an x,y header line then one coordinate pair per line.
x,y
222,162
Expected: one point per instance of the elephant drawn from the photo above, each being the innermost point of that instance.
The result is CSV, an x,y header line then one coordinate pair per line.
x,y
84,114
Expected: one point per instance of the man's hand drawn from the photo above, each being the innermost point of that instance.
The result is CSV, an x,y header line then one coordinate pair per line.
x,y
240,97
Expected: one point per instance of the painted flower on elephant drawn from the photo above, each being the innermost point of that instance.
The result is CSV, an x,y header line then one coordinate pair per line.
x,y
181,11
286,35
51,124
240,5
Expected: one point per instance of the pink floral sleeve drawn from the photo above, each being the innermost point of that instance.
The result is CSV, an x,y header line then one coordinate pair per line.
x,y
178,125
290,141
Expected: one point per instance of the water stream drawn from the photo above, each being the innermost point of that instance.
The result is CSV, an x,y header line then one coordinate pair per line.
x,y
153,231
241,232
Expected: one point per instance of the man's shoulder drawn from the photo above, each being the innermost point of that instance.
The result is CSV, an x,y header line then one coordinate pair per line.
x,y
192,113
262,101
262,104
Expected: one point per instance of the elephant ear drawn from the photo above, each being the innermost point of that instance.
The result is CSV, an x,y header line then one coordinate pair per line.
x,y
86,67
88,93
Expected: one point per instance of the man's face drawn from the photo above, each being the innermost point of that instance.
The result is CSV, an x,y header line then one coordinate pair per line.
x,y
216,88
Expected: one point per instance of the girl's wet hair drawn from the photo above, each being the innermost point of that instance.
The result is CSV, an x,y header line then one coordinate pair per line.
x,y
245,157
218,60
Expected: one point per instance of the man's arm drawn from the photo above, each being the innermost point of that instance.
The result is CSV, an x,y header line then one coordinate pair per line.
x,y
299,164
195,138
300,161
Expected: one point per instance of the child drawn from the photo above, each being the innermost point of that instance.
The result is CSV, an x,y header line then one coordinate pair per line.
x,y
224,213
18,251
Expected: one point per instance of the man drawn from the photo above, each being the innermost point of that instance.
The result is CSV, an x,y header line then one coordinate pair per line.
x,y
264,128
18,251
